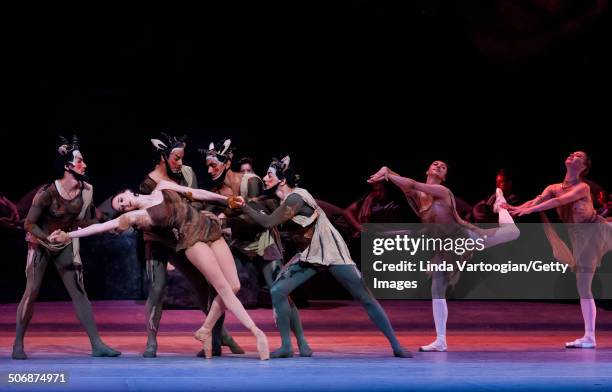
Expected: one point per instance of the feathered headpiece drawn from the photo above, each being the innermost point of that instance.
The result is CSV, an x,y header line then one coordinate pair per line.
x,y
221,151
280,166
167,143
66,149
66,157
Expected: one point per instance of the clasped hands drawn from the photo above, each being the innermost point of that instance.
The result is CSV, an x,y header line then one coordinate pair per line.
x,y
58,237
235,202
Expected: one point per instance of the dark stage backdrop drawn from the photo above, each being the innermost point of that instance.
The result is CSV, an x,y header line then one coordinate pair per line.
x,y
343,88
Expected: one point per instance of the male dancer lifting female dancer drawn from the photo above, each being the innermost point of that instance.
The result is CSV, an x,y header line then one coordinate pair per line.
x,y
589,234
434,203
197,234
321,247
64,204
169,152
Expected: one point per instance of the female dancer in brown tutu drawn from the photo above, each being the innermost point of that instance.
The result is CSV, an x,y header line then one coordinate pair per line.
x,y
590,235
185,229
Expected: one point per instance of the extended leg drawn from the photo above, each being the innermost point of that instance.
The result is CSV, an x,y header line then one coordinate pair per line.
x,y
507,230
350,278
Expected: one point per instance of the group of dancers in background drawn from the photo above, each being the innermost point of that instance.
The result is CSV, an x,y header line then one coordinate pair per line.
x,y
191,228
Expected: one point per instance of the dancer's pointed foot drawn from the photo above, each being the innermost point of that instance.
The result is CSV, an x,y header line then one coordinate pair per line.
x,y
282,352
401,352
102,350
583,342
18,352
204,335
262,344
234,347
499,200
437,345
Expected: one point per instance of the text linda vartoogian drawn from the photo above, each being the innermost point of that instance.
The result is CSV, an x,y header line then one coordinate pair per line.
x,y
402,247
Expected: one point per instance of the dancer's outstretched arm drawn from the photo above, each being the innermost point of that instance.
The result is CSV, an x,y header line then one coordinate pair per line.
x,y
408,185
198,194
546,195
137,217
580,191
381,175
287,210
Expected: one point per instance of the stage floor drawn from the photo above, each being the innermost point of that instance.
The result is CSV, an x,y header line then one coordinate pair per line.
x,y
493,345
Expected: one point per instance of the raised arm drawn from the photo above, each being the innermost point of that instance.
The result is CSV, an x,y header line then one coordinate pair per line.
x,y
381,175
287,210
197,194
408,185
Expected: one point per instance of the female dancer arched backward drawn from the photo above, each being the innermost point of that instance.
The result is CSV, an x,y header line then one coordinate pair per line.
x,y
169,153
321,247
589,234
197,234
435,204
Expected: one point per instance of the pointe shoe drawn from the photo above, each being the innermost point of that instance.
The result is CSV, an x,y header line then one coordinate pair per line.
x,y
435,346
262,345
581,343
205,336
499,200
